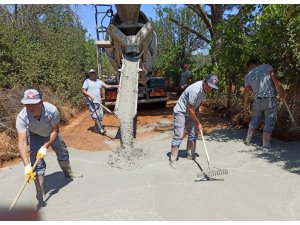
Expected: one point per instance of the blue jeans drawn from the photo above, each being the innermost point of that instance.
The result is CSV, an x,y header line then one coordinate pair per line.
x,y
58,146
182,121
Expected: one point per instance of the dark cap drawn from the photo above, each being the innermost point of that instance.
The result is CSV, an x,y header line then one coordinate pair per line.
x,y
212,81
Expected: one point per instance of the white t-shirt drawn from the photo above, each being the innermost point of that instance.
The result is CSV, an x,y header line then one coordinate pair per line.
x,y
93,88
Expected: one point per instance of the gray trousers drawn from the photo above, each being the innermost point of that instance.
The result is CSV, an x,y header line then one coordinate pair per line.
x,y
264,109
182,121
58,146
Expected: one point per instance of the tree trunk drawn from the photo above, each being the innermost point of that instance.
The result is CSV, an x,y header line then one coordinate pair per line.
x,y
229,91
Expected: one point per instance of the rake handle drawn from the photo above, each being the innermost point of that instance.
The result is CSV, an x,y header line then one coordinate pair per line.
x,y
206,152
22,188
291,115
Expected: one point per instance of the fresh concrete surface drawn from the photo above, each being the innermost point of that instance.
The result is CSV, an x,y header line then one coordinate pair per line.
x,y
262,184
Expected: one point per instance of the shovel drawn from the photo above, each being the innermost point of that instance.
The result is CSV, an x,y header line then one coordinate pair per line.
x,y
109,111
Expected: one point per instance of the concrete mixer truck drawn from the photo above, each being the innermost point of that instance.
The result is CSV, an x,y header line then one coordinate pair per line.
x,y
130,44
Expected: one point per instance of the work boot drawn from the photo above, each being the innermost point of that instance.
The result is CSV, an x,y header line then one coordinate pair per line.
x,y
266,140
98,126
102,131
249,135
40,193
173,157
191,148
66,168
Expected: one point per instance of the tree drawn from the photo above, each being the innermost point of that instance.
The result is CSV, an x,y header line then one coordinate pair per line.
x,y
175,44
44,45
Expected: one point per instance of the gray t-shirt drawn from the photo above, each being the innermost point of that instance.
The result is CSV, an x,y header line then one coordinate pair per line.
x,y
50,116
93,88
194,95
260,80
185,76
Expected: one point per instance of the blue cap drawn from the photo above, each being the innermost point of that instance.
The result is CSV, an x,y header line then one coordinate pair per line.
x,y
212,81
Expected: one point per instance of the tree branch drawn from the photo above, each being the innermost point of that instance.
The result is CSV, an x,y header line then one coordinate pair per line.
x,y
200,12
190,30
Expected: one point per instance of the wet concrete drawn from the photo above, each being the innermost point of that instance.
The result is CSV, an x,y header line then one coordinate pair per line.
x,y
262,184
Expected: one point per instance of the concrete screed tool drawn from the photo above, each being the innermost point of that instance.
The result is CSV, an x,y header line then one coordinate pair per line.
x,y
208,174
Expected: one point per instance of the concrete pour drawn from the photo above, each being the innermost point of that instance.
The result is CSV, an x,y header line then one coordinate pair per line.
x,y
262,184
128,154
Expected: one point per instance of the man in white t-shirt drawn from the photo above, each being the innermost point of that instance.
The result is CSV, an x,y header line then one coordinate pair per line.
x,y
91,88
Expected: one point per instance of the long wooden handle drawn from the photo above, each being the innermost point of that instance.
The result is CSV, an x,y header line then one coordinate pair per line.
x,y
206,152
291,115
107,109
22,188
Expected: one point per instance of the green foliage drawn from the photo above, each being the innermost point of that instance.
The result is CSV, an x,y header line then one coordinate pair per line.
x,y
45,45
282,49
269,33
175,45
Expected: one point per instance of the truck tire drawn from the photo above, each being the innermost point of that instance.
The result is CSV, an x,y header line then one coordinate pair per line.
x,y
161,105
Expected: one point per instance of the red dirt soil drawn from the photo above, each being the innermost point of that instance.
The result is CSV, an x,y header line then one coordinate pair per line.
x,y
149,122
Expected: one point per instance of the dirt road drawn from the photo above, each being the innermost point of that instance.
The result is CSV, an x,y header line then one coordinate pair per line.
x,y
262,184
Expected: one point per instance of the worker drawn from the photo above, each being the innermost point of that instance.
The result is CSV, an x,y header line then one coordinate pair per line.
x,y
261,80
91,88
40,121
186,115
185,78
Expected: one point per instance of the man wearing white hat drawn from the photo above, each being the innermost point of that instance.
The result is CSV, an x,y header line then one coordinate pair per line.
x,y
91,89
40,120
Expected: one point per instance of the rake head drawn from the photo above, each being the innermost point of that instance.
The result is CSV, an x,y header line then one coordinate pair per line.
x,y
212,173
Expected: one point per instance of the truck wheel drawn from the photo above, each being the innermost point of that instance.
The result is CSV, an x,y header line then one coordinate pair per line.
x,y
162,105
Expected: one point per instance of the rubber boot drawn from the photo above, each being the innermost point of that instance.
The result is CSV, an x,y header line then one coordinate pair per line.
x,y
249,135
99,127
40,193
66,168
191,148
173,156
266,140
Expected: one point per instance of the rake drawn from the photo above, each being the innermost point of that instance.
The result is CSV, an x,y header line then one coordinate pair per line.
x,y
208,174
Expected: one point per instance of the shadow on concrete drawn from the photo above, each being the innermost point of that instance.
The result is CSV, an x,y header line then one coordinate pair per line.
x,y
287,152
54,182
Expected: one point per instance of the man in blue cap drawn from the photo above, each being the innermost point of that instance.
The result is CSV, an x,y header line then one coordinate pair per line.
x,y
40,120
186,113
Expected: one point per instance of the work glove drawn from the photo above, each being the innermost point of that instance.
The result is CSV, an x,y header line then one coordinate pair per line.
x,y
29,174
41,153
